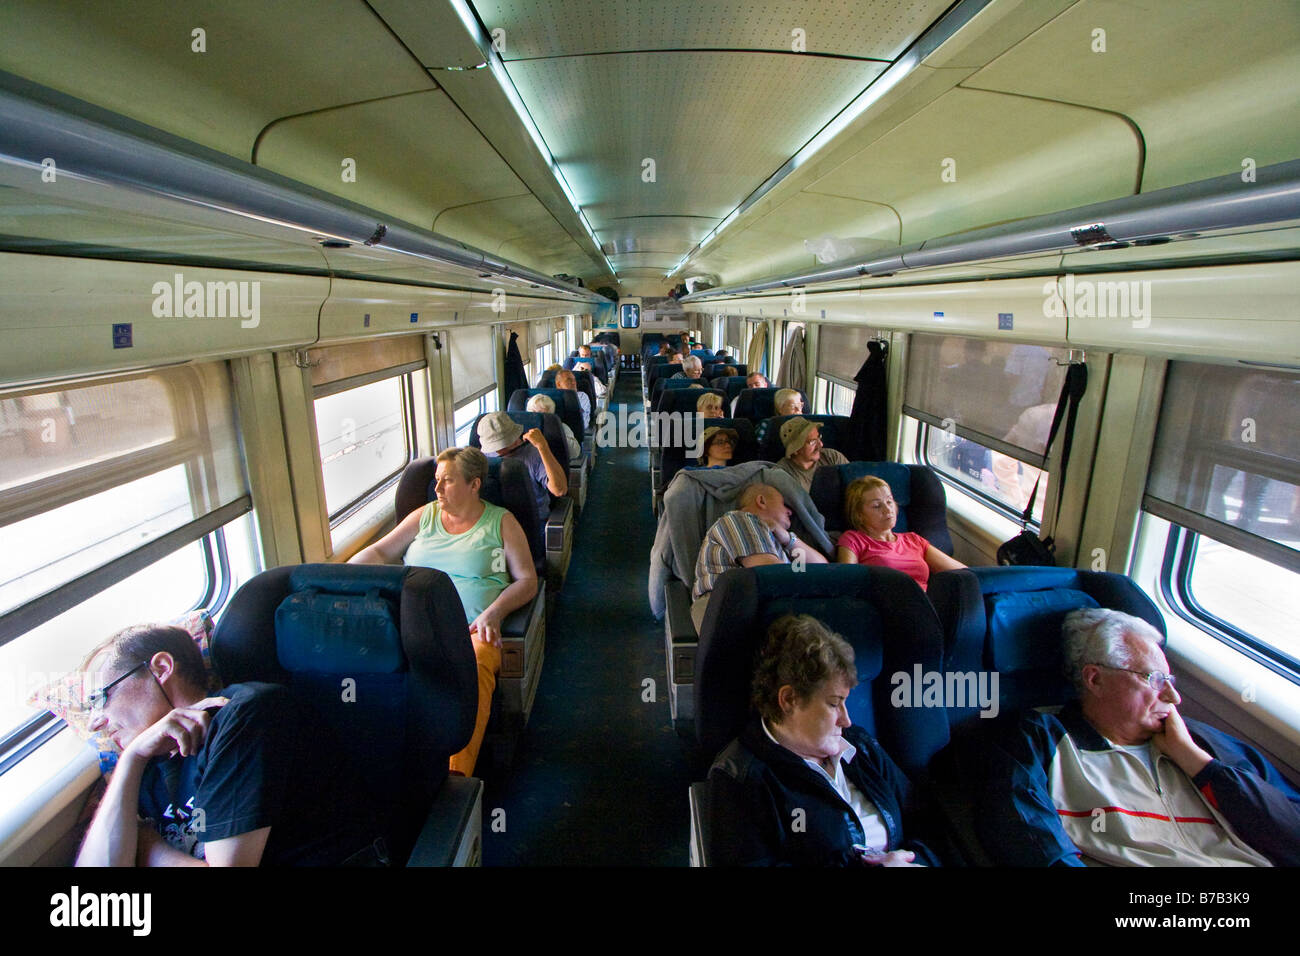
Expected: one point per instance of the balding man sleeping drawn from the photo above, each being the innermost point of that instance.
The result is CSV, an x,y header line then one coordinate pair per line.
x,y
756,533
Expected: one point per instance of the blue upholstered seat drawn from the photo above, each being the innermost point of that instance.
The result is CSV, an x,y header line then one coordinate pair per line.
x,y
399,635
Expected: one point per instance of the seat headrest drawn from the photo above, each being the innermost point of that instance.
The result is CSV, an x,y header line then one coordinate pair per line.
x,y
829,486
339,619
1025,627
879,611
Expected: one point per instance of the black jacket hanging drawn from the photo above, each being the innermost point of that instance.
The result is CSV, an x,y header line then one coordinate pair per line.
x,y
515,378
867,425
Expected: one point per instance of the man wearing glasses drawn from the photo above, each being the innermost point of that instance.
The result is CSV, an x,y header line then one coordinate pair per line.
x,y
1119,778
236,779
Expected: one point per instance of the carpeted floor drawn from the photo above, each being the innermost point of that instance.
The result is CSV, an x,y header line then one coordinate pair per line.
x,y
600,777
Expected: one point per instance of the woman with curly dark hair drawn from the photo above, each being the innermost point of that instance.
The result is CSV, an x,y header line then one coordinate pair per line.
x,y
801,785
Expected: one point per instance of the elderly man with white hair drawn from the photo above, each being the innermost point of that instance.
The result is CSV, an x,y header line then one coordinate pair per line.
x,y
545,405
1119,778
692,367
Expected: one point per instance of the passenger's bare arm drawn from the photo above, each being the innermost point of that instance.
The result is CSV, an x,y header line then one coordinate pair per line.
x,y
523,585
938,561
390,548
556,480
113,838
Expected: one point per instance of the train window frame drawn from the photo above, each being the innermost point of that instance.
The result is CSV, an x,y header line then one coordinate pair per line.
x,y
482,400
981,497
827,390
344,519
1174,580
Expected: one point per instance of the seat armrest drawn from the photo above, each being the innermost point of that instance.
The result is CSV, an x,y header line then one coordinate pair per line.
x,y
453,832
677,618
518,621
557,523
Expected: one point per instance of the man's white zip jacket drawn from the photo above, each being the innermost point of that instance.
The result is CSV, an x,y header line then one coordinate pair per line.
x,y
1061,794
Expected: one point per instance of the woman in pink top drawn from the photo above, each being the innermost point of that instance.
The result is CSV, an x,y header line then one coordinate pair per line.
x,y
869,505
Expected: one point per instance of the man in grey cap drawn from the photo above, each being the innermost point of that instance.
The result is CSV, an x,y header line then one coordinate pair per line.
x,y
501,436
804,451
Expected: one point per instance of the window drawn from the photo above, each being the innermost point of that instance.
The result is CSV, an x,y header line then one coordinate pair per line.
x,y
467,414
561,352
841,350
543,357
201,574
1225,472
833,398
1243,600
473,362
734,336
366,439
1000,481
121,501
987,410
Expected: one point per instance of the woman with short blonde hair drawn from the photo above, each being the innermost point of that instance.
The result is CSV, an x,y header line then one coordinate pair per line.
x,y
872,513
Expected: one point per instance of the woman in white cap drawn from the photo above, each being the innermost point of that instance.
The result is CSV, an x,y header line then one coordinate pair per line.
x,y
804,451
465,537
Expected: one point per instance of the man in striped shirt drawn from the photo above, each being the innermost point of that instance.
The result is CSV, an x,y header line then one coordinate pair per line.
x,y
756,533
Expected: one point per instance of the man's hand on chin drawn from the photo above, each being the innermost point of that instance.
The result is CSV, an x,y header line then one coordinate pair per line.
x,y
1175,742
181,731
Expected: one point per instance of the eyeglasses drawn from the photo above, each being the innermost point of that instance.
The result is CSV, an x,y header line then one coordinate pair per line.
x,y
721,440
1155,680
99,699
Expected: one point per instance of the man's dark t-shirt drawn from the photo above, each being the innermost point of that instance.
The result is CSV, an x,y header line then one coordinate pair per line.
x,y
262,763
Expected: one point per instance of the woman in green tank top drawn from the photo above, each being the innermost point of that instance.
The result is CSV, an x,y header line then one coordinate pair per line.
x,y
482,548
479,545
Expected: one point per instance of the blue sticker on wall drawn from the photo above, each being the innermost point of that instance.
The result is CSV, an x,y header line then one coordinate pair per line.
x,y
122,335
938,315
365,323
415,316
1004,321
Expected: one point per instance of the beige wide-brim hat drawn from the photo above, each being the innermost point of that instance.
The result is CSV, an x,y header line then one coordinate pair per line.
x,y
795,432
497,430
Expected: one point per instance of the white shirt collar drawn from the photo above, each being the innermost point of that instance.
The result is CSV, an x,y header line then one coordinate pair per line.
x,y
846,755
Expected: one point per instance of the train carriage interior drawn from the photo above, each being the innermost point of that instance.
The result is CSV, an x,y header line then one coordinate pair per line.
x,y
261,263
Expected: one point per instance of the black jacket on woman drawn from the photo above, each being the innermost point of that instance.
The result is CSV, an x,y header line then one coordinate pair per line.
x,y
757,788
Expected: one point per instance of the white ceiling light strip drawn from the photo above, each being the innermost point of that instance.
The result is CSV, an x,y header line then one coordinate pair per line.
x,y
498,69
930,41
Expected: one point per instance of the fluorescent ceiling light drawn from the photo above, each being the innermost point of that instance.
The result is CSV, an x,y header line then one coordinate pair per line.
x,y
498,69
952,21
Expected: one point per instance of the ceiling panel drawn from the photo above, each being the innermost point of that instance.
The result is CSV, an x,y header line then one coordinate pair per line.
x,y
1202,84
653,233
262,61
1010,158
520,222
774,243
894,190
715,125
880,29
415,157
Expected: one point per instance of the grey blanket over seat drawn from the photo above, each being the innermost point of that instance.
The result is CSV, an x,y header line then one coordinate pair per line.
x,y
696,499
